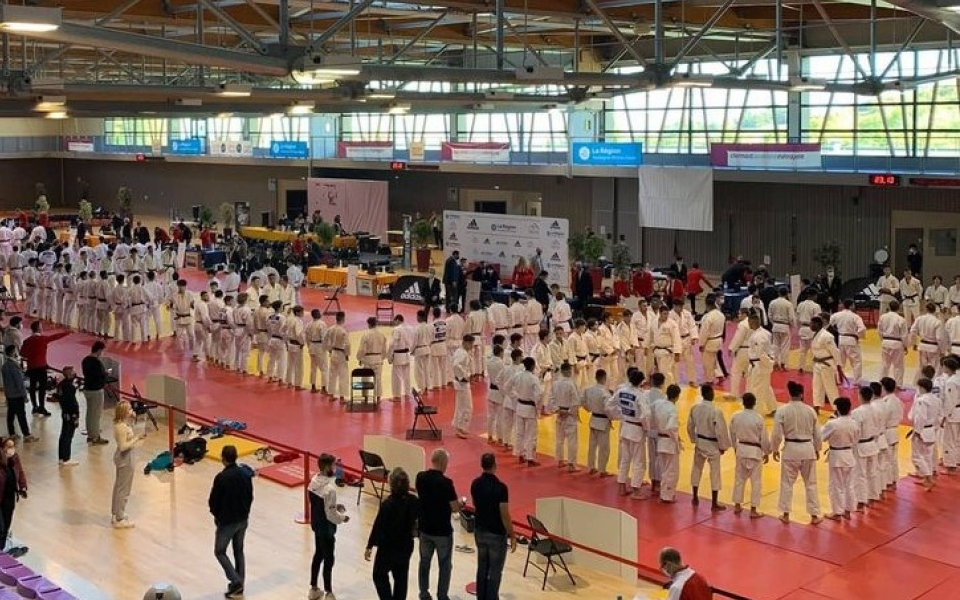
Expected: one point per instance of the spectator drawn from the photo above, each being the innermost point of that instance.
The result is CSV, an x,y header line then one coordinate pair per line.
x,y
695,281
431,291
686,584
229,502
326,515
15,390
393,531
451,278
522,275
13,487
437,230
12,335
34,352
493,528
127,440
438,501
94,379
70,412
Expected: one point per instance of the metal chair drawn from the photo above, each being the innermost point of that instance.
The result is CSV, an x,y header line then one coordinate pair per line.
x,y
541,543
384,310
432,432
142,408
333,301
372,468
363,385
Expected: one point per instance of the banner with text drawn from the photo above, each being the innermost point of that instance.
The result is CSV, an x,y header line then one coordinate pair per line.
x,y
503,239
78,143
365,150
360,204
475,152
224,147
766,156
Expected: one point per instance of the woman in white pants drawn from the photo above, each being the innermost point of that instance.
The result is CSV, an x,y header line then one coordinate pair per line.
x,y
127,440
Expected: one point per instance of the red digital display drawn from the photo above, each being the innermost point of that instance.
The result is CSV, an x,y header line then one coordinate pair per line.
x,y
885,180
398,165
140,157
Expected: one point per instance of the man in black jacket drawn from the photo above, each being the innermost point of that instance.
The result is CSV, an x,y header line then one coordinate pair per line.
x,y
584,288
94,380
230,500
451,278
541,290
70,411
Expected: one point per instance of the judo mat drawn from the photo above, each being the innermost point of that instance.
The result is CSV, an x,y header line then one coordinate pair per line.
x,y
289,474
244,447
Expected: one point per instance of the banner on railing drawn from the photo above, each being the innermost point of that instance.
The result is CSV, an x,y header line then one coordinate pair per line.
x,y
365,150
79,144
475,152
606,154
187,147
224,147
766,156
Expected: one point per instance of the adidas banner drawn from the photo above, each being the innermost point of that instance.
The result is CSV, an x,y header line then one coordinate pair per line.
x,y
503,239
408,288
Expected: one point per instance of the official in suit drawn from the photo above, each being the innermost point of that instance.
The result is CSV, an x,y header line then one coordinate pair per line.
x,y
583,287
431,291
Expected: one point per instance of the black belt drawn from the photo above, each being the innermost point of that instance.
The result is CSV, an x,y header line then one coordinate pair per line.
x,y
295,343
891,339
403,351
15,268
277,337
527,402
910,297
866,440
928,342
822,361
663,435
339,349
261,331
798,441
581,357
754,444
716,337
494,386
437,342
180,315
853,335
534,323
137,304
637,423
686,335
599,415
373,354
459,380
838,448
804,324
704,437
592,355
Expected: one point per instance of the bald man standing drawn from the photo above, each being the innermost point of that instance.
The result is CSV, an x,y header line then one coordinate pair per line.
x,y
438,502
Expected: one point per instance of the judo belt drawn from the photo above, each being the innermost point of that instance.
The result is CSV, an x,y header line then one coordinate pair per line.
x,y
905,297
373,354
704,437
339,350
822,361
685,336
853,335
839,448
15,268
662,348
277,337
891,339
931,343
463,380
295,343
867,440
401,351
955,345
261,331
599,415
137,304
527,402
493,386
798,441
418,347
437,342
804,324
534,323
181,315
663,435
637,423
581,357
716,337
594,356
754,444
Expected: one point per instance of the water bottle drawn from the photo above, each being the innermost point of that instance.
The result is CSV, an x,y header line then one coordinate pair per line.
x,y
338,470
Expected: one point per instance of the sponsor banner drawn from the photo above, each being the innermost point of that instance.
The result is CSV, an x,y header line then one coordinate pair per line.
x,y
766,156
79,144
409,289
475,152
224,147
503,239
188,147
289,150
607,154
417,151
365,150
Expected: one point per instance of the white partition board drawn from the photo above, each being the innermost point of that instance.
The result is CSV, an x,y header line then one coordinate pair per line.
x,y
169,390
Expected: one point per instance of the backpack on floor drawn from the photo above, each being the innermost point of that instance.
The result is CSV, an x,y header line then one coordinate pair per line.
x,y
162,462
191,450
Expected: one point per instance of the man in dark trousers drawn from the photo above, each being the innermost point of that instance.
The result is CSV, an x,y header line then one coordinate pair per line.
x,y
583,292
34,352
451,278
81,233
70,411
230,500
94,380
541,290
438,502
493,528
431,291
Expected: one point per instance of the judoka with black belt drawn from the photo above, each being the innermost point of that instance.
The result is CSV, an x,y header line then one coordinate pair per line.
x,y
841,434
707,430
796,444
751,443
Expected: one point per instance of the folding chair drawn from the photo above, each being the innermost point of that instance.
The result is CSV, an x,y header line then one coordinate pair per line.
x,y
363,384
142,407
541,543
333,301
7,301
384,312
432,432
372,468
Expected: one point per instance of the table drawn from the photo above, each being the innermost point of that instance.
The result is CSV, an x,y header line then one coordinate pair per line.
x,y
370,285
327,276
345,241
271,235
94,240
63,237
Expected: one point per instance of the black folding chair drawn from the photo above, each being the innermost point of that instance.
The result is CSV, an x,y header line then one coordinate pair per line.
x,y
541,543
333,300
141,407
432,432
372,468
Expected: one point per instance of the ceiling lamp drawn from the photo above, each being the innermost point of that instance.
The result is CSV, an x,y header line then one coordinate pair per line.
x,y
234,90
381,95
57,114
688,80
50,103
398,109
802,84
332,65
29,19
303,107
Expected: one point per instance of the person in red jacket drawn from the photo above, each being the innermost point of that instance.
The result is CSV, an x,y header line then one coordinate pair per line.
x,y
675,289
207,238
643,282
522,275
685,583
34,353
695,281
160,236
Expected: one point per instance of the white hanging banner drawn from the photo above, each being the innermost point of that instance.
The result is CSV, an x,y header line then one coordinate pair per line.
x,y
676,198
503,239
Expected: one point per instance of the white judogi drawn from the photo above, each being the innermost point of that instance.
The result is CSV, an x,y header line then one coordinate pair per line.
x,y
155,297
68,287
851,329
261,340
508,412
892,286
740,351
337,344
951,423
528,394
795,427
500,319
841,434
462,366
531,328
761,369
689,337
951,331
826,357
398,355
609,345
6,240
560,314
910,291
665,420
319,355
225,339
370,355
711,336
938,294
181,309
495,375
634,417
243,333
12,263
750,441
287,296
892,409
137,297
456,327
784,318
439,359
474,325
894,337
579,355
422,340
640,328
295,337
518,316
565,399
927,333
649,398
707,430
667,344
596,400
867,485
806,310
923,416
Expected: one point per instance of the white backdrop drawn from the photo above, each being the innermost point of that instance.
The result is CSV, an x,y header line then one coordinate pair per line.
x,y
676,198
502,239
361,204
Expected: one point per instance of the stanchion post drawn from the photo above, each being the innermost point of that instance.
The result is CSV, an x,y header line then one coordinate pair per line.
x,y
304,517
170,430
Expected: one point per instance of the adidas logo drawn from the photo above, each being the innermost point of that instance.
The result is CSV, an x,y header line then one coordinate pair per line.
x,y
412,293
555,225
503,254
453,236
486,241
473,224
517,244
555,256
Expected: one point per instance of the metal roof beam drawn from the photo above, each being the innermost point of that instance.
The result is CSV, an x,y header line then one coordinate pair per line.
x,y
338,25
232,23
615,30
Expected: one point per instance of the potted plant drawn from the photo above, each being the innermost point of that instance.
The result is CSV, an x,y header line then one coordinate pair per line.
x,y
42,205
827,255
206,217
85,211
422,233
325,234
621,261
228,216
125,200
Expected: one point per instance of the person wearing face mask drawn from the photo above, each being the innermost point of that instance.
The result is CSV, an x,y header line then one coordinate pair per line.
x,y
127,440
685,583
13,486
